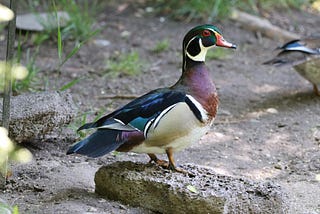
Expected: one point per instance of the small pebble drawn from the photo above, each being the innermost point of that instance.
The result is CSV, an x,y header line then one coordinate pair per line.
x,y
272,111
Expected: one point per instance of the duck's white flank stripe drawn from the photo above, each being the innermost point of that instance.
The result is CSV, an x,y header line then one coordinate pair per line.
x,y
157,120
147,127
203,112
154,122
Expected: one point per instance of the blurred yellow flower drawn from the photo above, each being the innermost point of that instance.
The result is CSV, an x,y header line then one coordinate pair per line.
x,y
5,14
22,156
8,150
316,5
6,146
19,72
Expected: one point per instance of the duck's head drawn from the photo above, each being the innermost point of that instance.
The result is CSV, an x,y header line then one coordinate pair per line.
x,y
201,38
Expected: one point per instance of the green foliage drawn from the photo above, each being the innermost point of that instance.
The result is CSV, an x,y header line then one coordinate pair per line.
x,y
69,84
269,4
218,53
6,208
31,81
129,64
195,9
161,46
192,189
80,26
9,151
81,119
81,22
208,10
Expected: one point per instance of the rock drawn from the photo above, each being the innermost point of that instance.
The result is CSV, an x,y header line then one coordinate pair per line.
x,y
37,114
163,191
41,21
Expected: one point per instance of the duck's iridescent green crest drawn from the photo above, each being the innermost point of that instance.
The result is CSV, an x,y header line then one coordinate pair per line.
x,y
209,34
199,40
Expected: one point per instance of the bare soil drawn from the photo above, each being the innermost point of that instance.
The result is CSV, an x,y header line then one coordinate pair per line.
x,y
267,127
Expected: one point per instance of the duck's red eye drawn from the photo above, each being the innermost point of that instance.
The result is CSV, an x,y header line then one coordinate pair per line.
x,y
206,33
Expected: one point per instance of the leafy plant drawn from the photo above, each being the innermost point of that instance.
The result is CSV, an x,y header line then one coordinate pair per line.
x,y
69,84
8,151
161,46
81,119
6,208
80,25
218,53
81,22
30,82
129,64
209,10
195,9
192,189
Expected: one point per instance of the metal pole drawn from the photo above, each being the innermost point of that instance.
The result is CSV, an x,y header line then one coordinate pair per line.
x,y
8,77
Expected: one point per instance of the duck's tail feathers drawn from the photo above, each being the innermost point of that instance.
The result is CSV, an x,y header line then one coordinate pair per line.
x,y
97,144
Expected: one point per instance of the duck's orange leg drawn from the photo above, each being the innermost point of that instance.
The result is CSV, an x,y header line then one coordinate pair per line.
x,y
316,90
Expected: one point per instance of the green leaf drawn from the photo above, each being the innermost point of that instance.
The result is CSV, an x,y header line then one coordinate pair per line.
x,y
192,189
15,210
59,31
69,84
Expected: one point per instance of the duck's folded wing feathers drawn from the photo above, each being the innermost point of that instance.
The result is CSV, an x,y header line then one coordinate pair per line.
x,y
138,112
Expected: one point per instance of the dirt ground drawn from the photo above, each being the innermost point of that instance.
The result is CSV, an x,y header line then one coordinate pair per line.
x,y
267,128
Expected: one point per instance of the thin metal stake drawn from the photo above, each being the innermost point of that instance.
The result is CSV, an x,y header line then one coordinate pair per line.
x,y
7,83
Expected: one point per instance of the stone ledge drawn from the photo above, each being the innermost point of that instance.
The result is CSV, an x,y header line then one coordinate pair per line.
x,y
164,191
34,115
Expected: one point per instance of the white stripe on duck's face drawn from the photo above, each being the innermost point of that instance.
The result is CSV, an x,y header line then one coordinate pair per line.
x,y
176,129
201,56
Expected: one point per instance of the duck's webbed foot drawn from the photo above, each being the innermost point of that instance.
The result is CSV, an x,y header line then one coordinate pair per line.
x,y
316,90
156,160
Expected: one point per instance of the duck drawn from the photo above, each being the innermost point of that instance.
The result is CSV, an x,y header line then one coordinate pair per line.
x,y
304,56
165,120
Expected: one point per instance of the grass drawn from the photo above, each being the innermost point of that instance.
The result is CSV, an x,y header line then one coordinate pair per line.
x,y
218,53
6,208
78,30
129,64
195,9
81,17
161,46
209,10
82,119
31,81
80,27
81,22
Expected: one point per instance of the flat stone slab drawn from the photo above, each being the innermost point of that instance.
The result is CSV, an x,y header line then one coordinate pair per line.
x,y
164,191
41,21
34,115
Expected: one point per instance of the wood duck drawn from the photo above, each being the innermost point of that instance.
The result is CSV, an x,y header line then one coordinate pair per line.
x,y
304,56
164,120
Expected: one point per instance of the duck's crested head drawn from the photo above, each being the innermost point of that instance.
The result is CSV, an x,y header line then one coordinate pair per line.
x,y
201,38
